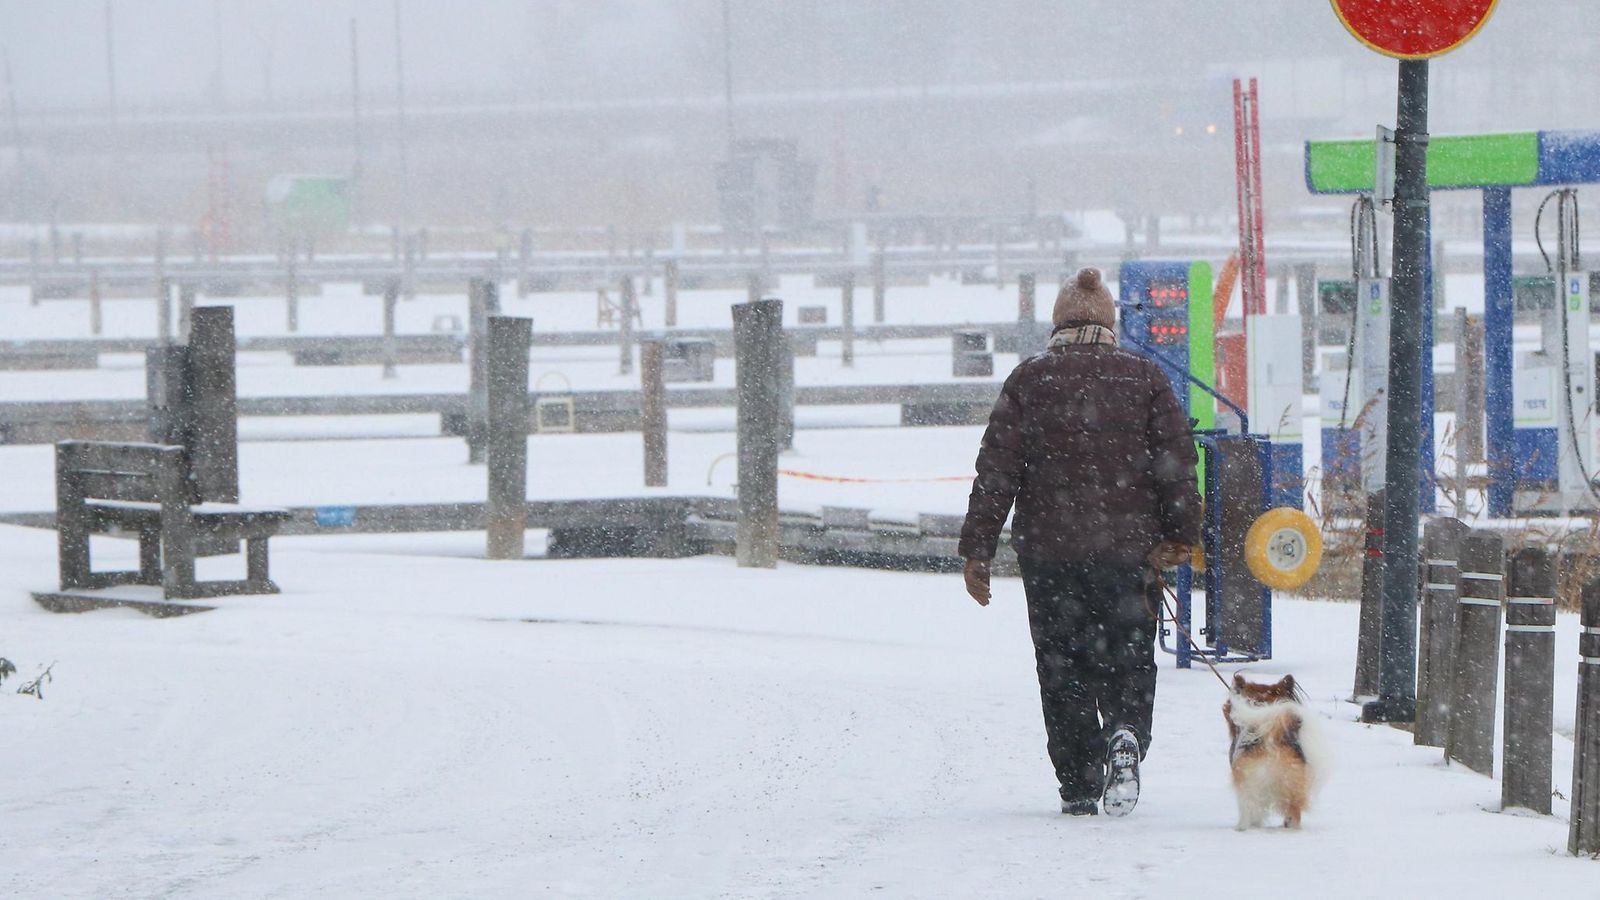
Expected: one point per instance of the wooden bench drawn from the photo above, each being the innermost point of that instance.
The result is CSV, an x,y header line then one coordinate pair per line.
x,y
143,490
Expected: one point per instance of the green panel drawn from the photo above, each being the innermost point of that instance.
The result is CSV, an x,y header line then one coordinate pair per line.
x,y
1202,351
1479,160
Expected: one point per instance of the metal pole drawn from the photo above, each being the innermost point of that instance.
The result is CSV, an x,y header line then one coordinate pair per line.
x,y
670,288
1397,688
400,97
847,315
355,124
727,69
111,66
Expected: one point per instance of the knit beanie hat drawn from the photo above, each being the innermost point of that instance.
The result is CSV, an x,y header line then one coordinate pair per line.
x,y
1084,301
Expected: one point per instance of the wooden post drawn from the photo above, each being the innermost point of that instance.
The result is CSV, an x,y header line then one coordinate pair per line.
x,y
1530,680
482,302
1305,296
164,311
391,299
1371,600
653,412
185,311
508,435
96,314
213,438
880,285
670,286
1583,838
847,317
291,291
524,262
999,258
1441,546
758,335
786,395
1469,384
1480,590
629,302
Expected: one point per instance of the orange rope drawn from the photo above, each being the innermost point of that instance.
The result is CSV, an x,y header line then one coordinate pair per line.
x,y
842,479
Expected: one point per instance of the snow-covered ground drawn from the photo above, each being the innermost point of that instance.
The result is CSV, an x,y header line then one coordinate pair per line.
x,y
404,721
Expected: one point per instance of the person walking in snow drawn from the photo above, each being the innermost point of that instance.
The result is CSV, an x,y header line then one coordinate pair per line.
x,y
1090,444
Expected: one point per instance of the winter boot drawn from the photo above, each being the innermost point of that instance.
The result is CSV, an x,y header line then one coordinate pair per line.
x,y
1080,808
1122,774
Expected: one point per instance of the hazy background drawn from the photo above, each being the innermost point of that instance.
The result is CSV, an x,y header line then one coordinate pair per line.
x,y
610,112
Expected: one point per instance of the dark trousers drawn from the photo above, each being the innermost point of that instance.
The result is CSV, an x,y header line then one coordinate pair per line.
x,y
1094,640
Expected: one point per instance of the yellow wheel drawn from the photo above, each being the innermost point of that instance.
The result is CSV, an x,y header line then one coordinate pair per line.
x,y
1283,548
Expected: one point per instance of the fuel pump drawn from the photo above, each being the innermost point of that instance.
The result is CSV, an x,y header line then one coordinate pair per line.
x,y
1355,408
1554,386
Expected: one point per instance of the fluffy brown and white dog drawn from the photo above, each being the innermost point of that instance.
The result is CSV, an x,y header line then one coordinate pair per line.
x,y
1277,755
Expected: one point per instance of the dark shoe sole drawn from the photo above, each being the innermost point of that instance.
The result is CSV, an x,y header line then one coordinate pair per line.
x,y
1079,808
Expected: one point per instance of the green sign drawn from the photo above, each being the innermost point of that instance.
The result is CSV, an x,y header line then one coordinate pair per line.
x,y
1478,160
309,204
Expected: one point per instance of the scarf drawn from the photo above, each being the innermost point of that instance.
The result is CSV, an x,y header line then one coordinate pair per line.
x,y
1082,334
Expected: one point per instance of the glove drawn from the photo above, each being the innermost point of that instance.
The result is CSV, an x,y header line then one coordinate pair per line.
x,y
976,573
1170,555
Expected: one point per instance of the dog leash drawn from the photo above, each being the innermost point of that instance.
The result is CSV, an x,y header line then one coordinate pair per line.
x,y
1167,593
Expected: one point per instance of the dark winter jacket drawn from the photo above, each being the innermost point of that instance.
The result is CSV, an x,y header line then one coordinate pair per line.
x,y
1091,444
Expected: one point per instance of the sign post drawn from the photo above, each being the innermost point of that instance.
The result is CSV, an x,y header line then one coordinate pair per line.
x,y
1412,31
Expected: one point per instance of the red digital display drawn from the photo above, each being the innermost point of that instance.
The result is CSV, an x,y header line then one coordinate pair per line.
x,y
1164,294
1169,331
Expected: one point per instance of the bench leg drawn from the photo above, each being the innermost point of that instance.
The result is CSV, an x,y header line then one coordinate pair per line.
x,y
256,566
150,555
72,544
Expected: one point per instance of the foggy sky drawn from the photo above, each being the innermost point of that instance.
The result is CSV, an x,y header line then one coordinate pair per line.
x,y
238,53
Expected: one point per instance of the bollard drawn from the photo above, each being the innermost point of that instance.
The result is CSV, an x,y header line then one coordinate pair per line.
x,y
847,318
391,299
96,317
670,286
758,338
1480,587
291,292
1530,680
653,412
1371,600
185,311
508,341
1441,546
211,385
629,303
1583,838
880,286
164,311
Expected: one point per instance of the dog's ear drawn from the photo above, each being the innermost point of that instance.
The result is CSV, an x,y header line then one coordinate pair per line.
x,y
1288,686
1238,683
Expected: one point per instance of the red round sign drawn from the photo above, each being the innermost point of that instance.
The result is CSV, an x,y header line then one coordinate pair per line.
x,y
1413,29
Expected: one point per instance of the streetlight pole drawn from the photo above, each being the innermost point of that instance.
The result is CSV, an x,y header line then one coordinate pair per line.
x,y
1397,642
